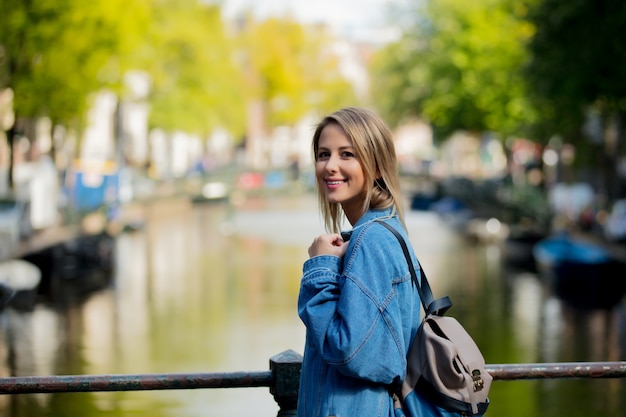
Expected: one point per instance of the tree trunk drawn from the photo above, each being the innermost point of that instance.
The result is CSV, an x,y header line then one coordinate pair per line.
x,y
612,155
10,140
620,133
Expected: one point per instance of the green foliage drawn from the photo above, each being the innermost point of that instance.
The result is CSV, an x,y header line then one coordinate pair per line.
x,y
578,56
196,84
457,66
56,53
292,69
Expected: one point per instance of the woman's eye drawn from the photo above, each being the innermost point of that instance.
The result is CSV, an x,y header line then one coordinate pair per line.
x,y
327,154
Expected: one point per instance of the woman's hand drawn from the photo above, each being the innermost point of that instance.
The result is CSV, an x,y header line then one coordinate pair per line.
x,y
331,244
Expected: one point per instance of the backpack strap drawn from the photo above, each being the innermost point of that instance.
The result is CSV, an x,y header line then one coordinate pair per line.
x,y
437,307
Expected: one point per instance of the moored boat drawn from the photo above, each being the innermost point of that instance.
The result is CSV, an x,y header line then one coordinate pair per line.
x,y
580,272
517,248
19,281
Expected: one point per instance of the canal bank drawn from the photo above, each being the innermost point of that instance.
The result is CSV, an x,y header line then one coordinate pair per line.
x,y
77,256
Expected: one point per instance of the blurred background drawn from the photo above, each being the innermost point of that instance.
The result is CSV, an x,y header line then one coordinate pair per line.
x,y
157,195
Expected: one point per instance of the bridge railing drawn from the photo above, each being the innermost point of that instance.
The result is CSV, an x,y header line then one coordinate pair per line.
x,y
283,379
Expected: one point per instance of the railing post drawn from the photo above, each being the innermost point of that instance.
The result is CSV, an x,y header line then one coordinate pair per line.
x,y
286,367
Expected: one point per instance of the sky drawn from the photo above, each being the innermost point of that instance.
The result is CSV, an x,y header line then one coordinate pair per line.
x,y
355,19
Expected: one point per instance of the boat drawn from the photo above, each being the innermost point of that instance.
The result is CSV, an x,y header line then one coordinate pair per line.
x,y
421,201
486,230
19,281
76,267
580,272
454,212
14,224
517,248
213,191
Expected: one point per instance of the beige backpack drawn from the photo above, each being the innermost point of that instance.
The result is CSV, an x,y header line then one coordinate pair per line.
x,y
445,367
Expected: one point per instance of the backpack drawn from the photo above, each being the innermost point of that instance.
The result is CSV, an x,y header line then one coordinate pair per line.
x,y
445,367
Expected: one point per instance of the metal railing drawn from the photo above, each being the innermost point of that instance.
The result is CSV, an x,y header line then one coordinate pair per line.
x,y
283,379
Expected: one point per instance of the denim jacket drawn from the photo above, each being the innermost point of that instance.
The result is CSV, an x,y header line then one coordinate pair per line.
x,y
361,313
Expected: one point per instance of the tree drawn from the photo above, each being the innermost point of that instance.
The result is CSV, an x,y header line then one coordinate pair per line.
x,y
292,69
197,85
458,66
54,54
576,70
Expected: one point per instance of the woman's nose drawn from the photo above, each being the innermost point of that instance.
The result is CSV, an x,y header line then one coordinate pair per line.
x,y
332,164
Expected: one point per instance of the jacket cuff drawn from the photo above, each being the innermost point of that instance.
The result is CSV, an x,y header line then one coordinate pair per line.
x,y
326,262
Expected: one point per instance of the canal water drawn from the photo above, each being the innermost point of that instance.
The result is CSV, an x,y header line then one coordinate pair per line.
x,y
213,288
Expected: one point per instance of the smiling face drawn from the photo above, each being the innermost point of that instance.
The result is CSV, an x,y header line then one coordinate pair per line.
x,y
338,171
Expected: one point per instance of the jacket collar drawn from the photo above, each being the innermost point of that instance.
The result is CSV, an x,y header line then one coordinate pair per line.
x,y
366,218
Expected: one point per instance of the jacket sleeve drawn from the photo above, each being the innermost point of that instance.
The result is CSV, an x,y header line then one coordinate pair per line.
x,y
352,316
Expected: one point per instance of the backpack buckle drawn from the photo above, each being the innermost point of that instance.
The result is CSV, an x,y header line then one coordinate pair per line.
x,y
479,384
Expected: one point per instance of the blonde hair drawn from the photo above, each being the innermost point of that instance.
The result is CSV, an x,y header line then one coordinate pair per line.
x,y
374,149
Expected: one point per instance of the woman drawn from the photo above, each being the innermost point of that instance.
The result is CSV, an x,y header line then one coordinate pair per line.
x,y
356,297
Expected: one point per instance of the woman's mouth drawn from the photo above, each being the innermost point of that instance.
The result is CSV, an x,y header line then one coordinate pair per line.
x,y
334,183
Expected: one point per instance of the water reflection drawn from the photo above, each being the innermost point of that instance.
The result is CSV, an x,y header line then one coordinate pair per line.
x,y
208,288
527,299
